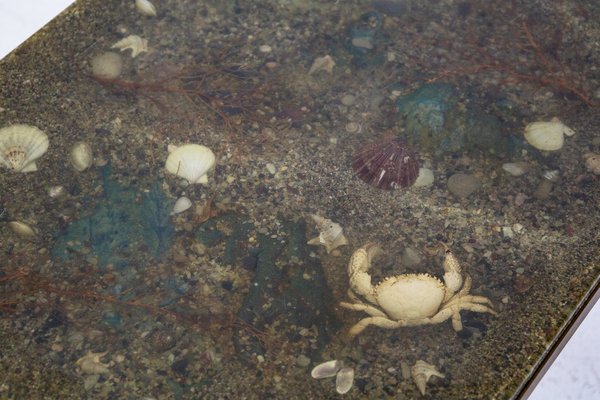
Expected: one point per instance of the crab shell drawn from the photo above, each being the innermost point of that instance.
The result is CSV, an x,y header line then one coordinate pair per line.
x,y
410,296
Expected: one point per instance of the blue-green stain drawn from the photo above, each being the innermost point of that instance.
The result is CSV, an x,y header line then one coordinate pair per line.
x,y
128,224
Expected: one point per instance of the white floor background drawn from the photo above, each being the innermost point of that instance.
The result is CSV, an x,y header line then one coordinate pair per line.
x,y
576,372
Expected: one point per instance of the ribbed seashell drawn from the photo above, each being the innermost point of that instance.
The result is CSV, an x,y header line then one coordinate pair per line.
x,y
21,229
422,372
344,380
81,156
134,42
20,146
191,162
182,204
386,164
547,136
326,369
145,8
57,192
551,175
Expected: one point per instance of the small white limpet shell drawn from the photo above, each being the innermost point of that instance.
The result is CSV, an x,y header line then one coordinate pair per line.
x,y
421,372
21,229
20,146
183,203
134,42
344,380
145,8
191,162
81,156
547,136
326,369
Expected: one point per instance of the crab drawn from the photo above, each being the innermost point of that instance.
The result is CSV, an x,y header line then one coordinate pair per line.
x,y
410,299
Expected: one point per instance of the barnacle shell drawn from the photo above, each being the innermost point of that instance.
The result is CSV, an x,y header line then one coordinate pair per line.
x,y
331,234
182,204
81,156
133,42
21,229
325,63
386,164
145,8
344,380
91,364
20,146
326,369
547,136
421,372
191,162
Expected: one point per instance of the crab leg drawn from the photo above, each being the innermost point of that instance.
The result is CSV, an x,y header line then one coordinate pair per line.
x,y
371,310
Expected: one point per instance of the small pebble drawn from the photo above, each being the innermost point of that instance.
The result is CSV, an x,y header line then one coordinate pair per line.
x,y
271,168
57,347
348,100
542,192
462,185
516,168
507,232
302,361
265,48
520,270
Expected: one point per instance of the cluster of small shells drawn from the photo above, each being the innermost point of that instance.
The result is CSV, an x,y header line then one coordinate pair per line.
x,y
344,376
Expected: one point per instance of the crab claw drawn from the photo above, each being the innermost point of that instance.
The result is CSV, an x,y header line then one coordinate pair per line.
x,y
453,278
360,262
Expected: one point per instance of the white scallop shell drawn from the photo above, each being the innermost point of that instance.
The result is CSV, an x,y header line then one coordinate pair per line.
x,y
21,229
326,369
191,162
182,204
344,380
20,146
547,136
145,8
81,156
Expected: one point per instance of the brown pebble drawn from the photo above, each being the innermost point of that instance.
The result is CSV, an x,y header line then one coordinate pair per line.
x,y
523,283
542,192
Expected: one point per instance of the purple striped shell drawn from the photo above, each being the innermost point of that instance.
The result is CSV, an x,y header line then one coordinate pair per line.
x,y
386,164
